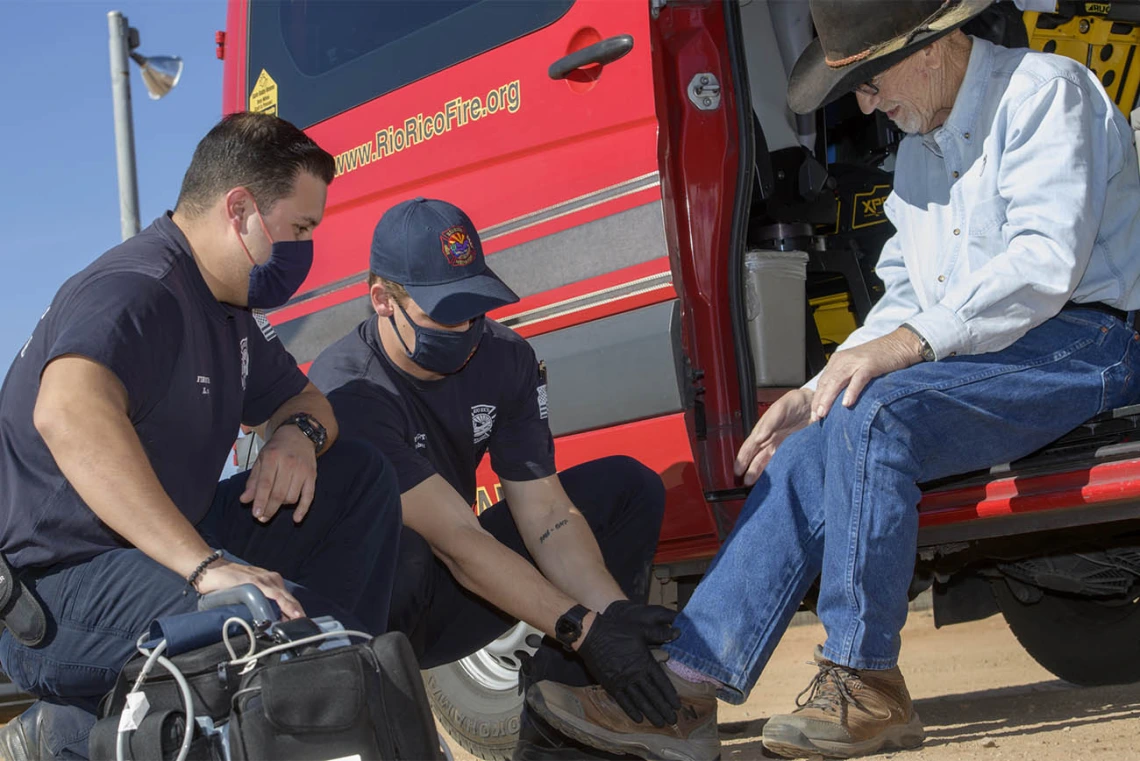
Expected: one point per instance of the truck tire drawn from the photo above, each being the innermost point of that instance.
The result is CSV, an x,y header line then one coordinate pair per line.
x,y
1084,641
477,699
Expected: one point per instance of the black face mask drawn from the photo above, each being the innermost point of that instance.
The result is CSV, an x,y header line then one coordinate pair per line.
x,y
441,351
274,283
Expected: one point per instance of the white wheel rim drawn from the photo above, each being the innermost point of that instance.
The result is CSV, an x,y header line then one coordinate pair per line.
x,y
496,667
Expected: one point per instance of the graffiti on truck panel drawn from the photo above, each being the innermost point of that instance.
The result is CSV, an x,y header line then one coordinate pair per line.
x,y
415,130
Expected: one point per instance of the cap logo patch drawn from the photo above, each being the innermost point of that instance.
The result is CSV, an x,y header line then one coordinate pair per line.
x,y
457,246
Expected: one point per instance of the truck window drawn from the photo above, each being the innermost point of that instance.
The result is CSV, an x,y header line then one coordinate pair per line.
x,y
327,56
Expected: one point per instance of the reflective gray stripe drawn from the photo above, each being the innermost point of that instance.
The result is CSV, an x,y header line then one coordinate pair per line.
x,y
596,248
621,240
599,374
577,304
637,184
328,288
514,225
615,370
305,337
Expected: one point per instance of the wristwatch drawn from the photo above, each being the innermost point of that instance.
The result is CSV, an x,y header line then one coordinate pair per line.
x,y
927,351
309,426
569,626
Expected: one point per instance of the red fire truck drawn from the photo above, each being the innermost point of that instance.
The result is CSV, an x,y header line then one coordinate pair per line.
x,y
628,162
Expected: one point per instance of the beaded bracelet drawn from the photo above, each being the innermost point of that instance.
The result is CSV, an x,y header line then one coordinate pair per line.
x,y
192,579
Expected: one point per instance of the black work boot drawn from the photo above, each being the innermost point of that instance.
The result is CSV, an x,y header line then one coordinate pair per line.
x,y
21,739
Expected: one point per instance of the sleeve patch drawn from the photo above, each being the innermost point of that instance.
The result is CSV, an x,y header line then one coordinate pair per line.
x,y
543,409
264,324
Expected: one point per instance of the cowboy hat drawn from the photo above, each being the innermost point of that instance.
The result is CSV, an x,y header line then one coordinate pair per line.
x,y
859,39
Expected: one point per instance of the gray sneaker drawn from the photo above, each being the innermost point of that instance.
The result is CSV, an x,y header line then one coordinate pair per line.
x,y
590,716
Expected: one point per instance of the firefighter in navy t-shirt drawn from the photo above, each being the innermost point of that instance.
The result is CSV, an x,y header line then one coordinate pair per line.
x,y
436,385
116,420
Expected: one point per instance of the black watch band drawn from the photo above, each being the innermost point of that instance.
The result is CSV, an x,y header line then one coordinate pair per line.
x,y
569,626
309,426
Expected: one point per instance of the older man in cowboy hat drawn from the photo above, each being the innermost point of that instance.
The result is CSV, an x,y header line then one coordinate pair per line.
x,y
1007,321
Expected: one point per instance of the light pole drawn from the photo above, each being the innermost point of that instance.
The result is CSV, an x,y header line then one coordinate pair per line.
x,y
160,74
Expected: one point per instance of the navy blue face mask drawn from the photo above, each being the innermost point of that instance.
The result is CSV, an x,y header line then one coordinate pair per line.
x,y
441,351
274,283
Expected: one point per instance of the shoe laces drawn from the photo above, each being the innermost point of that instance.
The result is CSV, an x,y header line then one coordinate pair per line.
x,y
829,689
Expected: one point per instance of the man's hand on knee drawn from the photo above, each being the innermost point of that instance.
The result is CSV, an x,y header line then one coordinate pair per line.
x,y
285,473
788,414
850,370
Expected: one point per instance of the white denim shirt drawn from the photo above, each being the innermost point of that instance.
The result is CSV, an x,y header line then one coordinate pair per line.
x,y
1026,198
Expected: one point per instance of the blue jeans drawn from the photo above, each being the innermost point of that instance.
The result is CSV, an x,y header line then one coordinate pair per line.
x,y
838,500
335,560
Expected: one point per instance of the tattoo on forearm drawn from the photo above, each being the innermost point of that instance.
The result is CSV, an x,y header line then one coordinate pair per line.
x,y
546,534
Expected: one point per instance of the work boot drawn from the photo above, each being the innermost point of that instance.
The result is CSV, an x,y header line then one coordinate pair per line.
x,y
589,715
21,739
538,741
847,713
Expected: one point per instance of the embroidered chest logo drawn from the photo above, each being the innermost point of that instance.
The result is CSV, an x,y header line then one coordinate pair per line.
x,y
482,421
204,382
420,441
244,361
457,246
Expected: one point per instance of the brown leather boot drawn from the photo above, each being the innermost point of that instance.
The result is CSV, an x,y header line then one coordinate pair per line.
x,y
848,713
590,716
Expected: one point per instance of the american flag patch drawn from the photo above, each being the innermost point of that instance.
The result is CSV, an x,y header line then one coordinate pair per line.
x,y
543,410
263,323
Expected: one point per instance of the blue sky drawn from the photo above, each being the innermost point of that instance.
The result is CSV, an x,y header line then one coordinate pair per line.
x,y
58,177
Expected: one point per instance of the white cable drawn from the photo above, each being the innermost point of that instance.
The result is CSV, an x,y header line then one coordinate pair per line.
x,y
152,658
188,699
156,656
248,630
298,643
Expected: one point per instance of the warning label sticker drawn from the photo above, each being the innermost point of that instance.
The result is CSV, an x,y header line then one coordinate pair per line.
x,y
263,98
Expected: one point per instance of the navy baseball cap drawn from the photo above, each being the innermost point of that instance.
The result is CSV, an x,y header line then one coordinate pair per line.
x,y
431,248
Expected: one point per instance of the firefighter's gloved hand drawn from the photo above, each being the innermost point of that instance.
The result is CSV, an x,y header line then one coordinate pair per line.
x,y
617,653
655,620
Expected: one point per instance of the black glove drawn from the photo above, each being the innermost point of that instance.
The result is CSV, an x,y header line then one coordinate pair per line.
x,y
617,654
655,621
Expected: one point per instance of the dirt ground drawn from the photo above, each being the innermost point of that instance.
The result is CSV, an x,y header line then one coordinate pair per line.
x,y
980,696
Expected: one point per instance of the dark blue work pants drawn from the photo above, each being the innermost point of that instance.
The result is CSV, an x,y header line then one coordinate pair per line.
x,y
623,502
97,608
